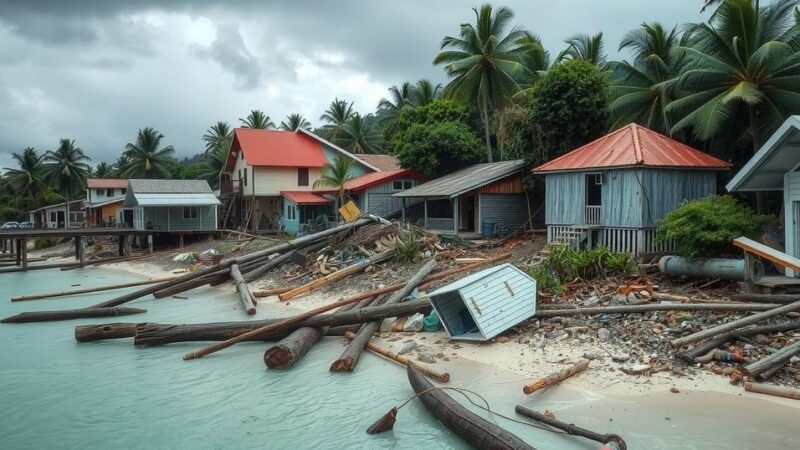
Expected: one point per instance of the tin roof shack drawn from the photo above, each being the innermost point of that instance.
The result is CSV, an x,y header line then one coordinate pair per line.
x,y
172,205
612,191
480,306
484,199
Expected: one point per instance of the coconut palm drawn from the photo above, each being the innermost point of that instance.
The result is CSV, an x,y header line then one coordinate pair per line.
x,y
213,162
425,92
400,97
484,63
295,122
334,175
338,112
119,166
257,119
217,136
742,73
145,158
639,90
28,181
359,135
67,168
585,48
103,170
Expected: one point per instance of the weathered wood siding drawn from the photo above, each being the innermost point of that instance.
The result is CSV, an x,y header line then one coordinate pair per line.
x,y
565,197
665,189
508,185
791,205
621,200
511,210
379,200
170,218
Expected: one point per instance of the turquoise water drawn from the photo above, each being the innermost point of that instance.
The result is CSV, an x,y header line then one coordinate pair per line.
x,y
57,393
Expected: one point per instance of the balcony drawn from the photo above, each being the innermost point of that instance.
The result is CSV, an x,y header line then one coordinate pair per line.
x,y
593,215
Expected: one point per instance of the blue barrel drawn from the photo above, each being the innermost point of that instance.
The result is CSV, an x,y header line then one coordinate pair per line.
x,y
487,228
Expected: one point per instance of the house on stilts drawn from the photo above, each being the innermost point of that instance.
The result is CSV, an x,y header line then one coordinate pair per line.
x,y
613,191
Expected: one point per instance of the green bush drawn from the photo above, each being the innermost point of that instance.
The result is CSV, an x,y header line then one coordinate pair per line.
x,y
708,226
407,249
565,264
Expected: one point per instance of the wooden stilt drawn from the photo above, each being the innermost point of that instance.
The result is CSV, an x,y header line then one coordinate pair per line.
x,y
18,251
129,245
24,249
121,245
81,251
150,243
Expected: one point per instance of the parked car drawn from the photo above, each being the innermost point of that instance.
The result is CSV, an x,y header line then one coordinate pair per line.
x,y
26,225
10,226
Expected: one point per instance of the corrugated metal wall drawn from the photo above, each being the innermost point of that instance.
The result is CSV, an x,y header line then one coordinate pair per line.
x,y
500,300
565,197
511,210
381,201
665,189
622,206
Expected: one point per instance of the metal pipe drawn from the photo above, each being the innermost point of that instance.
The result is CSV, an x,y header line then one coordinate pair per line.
x,y
726,269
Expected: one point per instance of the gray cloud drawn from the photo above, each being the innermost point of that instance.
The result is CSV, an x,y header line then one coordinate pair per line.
x,y
231,53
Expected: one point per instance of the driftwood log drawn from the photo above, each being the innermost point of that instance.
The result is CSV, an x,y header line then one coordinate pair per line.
x,y
638,309
703,348
734,325
268,265
766,298
243,290
777,359
107,287
556,377
67,314
349,358
444,377
571,428
771,389
473,428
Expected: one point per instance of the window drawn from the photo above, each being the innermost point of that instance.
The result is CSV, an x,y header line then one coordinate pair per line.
x,y
53,218
123,191
302,176
99,192
245,176
401,185
109,192
291,213
189,212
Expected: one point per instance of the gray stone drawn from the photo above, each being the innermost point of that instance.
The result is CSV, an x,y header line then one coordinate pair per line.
x,y
427,358
603,334
407,347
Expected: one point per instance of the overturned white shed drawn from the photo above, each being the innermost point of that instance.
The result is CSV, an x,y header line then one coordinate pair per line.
x,y
482,305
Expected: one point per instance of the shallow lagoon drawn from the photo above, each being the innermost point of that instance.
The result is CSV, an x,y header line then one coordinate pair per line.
x,y
57,393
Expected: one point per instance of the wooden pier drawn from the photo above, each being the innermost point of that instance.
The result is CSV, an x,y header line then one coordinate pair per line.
x,y
14,244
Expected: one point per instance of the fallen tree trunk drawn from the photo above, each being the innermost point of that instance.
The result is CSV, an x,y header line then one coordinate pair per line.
x,y
570,428
771,389
338,275
775,359
88,333
108,287
349,358
270,292
67,314
766,298
736,324
705,347
444,377
267,266
244,291
556,377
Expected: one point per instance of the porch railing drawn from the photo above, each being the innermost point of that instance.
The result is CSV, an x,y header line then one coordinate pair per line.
x,y
593,216
441,224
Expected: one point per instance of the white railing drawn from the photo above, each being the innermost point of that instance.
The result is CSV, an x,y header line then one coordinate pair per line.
x,y
593,215
441,224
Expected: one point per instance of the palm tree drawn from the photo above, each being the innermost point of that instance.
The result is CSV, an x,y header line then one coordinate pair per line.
x,y
257,119
640,90
484,63
359,135
213,162
742,73
334,175
338,112
103,170
119,166
28,180
295,122
145,159
389,108
67,167
217,136
536,60
425,92
585,48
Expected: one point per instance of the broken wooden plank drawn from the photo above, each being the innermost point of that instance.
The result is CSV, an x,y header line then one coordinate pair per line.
x,y
556,377
107,287
444,377
50,316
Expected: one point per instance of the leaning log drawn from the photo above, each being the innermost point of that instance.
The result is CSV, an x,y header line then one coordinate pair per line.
x,y
244,291
570,428
734,325
349,358
703,348
775,359
108,287
771,389
556,377
444,377
783,299
268,265
67,314
291,348
474,429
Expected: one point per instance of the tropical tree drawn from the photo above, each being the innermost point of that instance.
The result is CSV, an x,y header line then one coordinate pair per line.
x,y
257,119
28,181
334,175
359,135
338,112
103,170
213,162
145,158
119,166
485,63
425,92
583,47
742,75
389,108
295,122
67,168
640,90
217,136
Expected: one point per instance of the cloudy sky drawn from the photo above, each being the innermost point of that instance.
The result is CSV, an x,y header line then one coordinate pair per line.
x,y
98,70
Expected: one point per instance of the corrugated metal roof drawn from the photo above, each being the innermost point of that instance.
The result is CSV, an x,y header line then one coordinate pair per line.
x,y
464,180
375,178
165,199
107,202
170,187
633,145
275,148
766,169
306,198
107,183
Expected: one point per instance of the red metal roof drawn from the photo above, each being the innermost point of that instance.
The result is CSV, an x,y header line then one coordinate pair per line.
x,y
107,183
633,145
375,178
306,198
274,148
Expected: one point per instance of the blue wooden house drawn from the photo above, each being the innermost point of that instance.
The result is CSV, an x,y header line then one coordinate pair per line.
x,y
172,205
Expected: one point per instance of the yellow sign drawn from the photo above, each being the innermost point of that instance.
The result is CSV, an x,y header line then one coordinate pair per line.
x,y
349,211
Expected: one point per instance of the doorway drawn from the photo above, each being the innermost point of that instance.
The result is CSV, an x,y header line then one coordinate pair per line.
x,y
594,198
466,212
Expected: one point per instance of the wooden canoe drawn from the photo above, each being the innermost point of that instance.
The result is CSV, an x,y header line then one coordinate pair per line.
x,y
472,428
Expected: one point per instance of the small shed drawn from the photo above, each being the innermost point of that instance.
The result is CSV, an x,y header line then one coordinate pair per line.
x,y
483,199
172,205
480,306
306,211
613,191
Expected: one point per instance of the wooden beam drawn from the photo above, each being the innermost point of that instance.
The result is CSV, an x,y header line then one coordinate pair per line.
x,y
770,254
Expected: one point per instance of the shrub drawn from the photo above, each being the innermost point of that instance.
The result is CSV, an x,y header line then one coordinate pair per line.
x,y
407,249
565,264
708,226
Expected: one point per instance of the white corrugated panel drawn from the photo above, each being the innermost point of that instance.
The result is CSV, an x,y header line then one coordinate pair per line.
x,y
176,199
